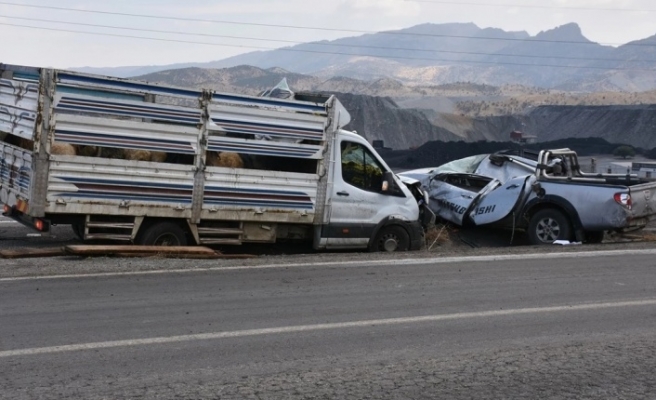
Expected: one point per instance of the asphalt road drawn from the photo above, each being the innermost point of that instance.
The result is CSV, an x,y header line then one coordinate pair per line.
x,y
568,326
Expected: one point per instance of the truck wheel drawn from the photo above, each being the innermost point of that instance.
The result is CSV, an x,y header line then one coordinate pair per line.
x,y
163,234
547,226
391,238
594,237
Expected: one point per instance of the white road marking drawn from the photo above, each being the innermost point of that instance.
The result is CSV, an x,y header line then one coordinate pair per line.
x,y
320,327
8,222
358,264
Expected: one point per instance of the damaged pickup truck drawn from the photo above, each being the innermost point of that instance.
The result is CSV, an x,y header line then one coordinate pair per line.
x,y
550,199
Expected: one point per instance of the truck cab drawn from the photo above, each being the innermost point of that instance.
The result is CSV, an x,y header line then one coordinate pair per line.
x,y
368,205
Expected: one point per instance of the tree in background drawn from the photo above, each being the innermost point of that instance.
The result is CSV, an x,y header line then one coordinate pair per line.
x,y
624,152
651,154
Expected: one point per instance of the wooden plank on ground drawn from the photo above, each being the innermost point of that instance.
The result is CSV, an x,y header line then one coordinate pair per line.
x,y
32,253
101,250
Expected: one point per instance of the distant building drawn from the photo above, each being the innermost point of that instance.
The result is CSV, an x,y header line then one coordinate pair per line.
x,y
522,138
644,169
618,167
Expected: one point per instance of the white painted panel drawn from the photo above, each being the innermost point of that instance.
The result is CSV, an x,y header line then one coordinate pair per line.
x,y
126,109
106,132
270,123
79,184
267,191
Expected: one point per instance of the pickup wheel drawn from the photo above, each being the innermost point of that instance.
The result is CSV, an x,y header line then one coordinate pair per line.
x,y
163,234
547,226
390,239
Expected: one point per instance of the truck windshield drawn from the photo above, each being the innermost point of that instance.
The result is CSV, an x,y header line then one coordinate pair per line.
x,y
360,168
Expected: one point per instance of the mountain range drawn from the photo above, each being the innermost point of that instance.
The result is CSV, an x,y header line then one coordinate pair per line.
x,y
434,54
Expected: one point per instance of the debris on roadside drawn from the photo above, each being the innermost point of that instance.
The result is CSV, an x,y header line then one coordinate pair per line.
x,y
645,235
566,243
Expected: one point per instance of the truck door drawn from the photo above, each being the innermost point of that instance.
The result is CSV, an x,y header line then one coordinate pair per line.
x,y
358,203
500,202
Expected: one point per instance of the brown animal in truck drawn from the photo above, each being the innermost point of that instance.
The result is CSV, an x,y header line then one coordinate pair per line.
x,y
224,159
62,149
88,151
144,155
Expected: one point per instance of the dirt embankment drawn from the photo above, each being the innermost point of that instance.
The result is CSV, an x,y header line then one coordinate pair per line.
x,y
634,125
380,118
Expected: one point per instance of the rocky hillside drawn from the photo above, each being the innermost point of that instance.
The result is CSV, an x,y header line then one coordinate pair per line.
x,y
440,112
380,118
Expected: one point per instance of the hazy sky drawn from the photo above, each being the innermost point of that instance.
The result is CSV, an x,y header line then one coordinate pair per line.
x,y
604,21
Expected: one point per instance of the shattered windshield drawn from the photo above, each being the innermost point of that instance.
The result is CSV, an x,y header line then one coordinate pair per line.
x,y
466,165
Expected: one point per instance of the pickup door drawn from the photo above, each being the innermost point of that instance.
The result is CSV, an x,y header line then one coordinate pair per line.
x,y
499,203
453,199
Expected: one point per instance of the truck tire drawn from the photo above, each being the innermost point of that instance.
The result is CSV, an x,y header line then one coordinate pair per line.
x,y
547,226
162,234
391,238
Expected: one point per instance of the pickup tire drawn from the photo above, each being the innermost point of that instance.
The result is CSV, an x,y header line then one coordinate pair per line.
x,y
547,226
391,238
162,234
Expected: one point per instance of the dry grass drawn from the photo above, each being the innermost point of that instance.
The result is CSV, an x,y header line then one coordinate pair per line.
x,y
649,237
440,236
641,235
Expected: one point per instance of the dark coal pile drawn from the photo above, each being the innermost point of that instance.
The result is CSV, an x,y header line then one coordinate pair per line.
x,y
436,153
433,154
380,118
